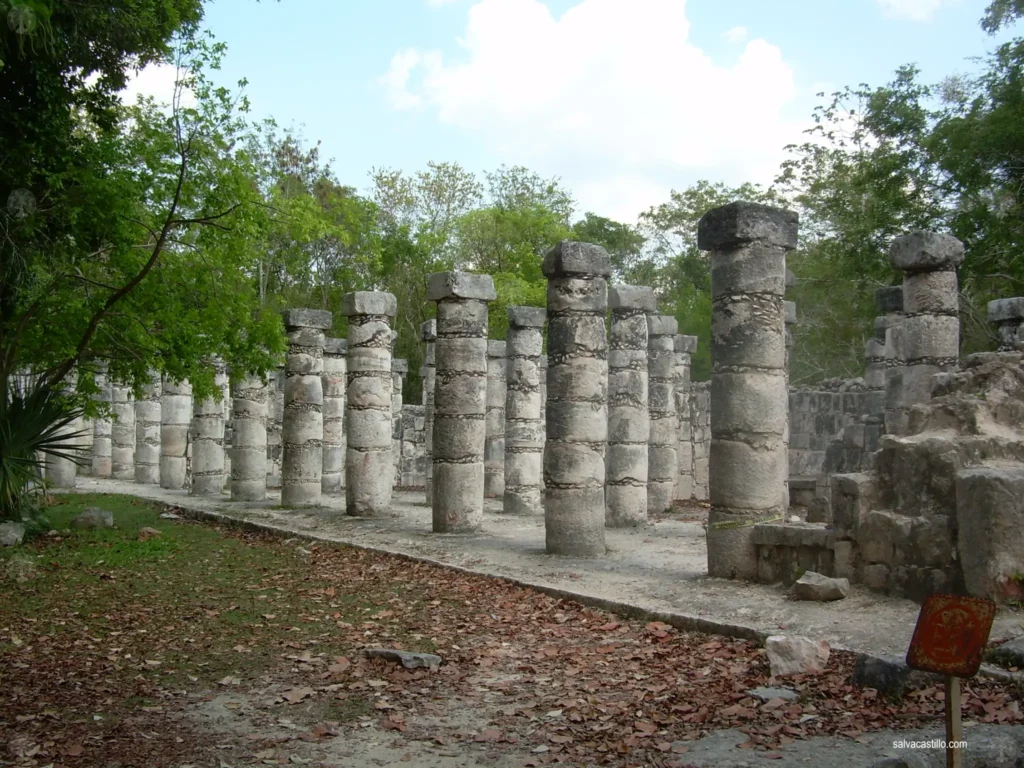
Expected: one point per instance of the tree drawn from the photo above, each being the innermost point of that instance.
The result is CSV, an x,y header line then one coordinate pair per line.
x,y
625,246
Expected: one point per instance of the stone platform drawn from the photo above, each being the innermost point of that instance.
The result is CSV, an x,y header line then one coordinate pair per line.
x,y
660,570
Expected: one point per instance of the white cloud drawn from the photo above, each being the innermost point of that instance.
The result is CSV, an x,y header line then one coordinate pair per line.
x,y
913,10
610,96
439,3
736,34
156,80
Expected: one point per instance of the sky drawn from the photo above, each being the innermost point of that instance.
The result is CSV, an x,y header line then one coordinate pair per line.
x,y
623,100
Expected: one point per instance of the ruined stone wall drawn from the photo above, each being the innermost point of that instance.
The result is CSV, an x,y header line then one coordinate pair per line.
x,y
414,453
819,415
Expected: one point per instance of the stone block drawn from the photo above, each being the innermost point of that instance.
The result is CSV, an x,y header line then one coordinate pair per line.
x,y
796,655
640,297
334,346
819,588
570,257
662,325
889,300
527,317
990,518
789,308
685,344
749,403
308,318
852,497
875,576
1006,310
926,252
791,279
369,303
428,330
495,348
930,292
739,223
889,675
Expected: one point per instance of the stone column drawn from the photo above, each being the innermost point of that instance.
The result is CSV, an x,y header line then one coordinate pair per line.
x,y
398,370
302,431
790,321
275,421
889,301
122,433
228,405
147,432
663,464
61,472
102,446
494,446
577,408
874,371
249,440
368,462
931,321
524,436
428,332
460,399
629,421
1008,317
685,346
332,480
749,398
208,443
175,420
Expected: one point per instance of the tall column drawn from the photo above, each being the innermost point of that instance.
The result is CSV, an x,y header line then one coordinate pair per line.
x,y
61,472
494,446
931,322
1008,317
332,481
524,436
249,440
147,432
368,462
685,346
577,407
790,321
227,402
102,445
398,370
889,301
428,331
661,450
460,399
84,466
302,432
629,421
122,432
749,398
208,442
175,421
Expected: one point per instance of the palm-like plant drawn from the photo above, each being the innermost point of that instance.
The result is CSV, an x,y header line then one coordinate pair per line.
x,y
35,421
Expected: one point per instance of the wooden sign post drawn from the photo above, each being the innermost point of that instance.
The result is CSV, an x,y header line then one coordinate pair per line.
x,y
949,639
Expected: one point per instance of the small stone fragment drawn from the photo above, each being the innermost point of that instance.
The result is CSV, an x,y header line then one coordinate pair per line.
x,y
94,517
767,694
11,534
1009,654
814,586
20,569
796,655
145,534
408,659
889,675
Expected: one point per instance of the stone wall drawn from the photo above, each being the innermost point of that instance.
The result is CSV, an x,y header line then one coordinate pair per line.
x,y
414,454
819,415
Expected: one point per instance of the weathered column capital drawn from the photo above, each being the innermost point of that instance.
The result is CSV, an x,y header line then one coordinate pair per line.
x,y
452,286
1008,317
572,258
527,317
741,223
624,298
926,252
377,303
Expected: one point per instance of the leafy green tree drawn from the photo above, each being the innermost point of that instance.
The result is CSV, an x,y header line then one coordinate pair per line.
x,y
625,246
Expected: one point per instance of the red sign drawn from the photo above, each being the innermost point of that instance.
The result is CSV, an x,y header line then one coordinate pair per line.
x,y
951,635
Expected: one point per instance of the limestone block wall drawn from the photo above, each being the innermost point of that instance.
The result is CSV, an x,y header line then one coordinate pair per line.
x,y
817,417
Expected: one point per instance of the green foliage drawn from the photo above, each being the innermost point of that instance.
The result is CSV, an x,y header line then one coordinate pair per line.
x,y
35,421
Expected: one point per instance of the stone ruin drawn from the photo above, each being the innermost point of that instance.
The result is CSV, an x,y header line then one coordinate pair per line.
x,y
907,480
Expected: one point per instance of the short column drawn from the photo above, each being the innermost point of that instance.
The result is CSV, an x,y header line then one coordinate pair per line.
x,y
524,434
749,398
102,446
175,420
1008,317
685,347
61,472
889,300
931,320
428,331
208,443
147,432
494,445
122,433
460,399
275,421
368,462
629,421
332,480
874,370
399,368
302,431
661,447
577,407
249,440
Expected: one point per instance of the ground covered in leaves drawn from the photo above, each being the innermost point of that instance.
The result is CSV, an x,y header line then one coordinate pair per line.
x,y
117,643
